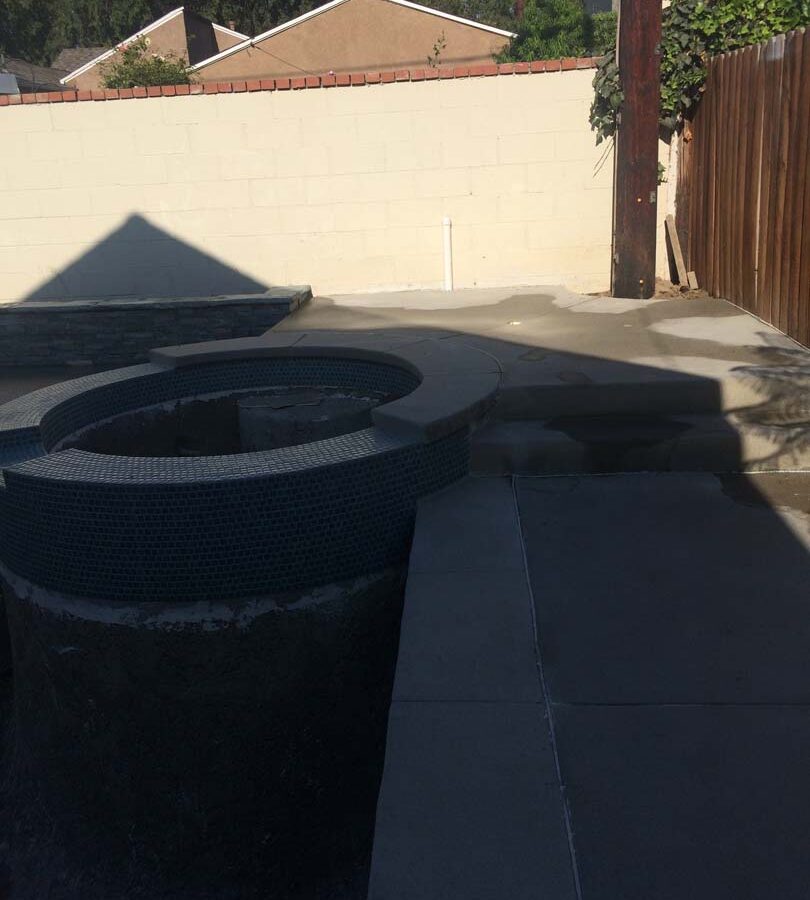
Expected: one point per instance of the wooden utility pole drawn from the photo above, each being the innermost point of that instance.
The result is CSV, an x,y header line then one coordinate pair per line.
x,y
635,177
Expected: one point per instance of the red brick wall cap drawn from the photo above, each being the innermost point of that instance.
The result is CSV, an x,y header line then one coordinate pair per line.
x,y
307,82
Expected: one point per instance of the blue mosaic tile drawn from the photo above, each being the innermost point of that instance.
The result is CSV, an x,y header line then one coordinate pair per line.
x,y
139,528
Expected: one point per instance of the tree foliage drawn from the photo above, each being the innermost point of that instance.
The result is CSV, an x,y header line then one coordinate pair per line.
x,y
693,32
489,12
551,29
133,65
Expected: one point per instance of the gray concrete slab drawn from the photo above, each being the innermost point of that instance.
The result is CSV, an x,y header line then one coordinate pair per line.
x,y
470,806
468,527
671,588
467,636
561,352
673,631
697,802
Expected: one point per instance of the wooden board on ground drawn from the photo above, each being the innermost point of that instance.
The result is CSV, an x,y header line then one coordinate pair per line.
x,y
675,244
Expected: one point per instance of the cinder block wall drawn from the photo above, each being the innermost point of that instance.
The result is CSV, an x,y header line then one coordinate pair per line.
x,y
343,188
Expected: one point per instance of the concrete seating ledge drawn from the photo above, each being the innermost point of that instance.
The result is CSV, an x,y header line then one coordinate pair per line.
x,y
458,385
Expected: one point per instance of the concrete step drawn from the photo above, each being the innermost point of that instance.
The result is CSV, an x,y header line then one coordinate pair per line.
x,y
558,387
702,442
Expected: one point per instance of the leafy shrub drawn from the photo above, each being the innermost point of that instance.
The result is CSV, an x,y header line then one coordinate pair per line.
x,y
132,65
693,32
549,29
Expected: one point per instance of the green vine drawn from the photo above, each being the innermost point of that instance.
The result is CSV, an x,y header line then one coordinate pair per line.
x,y
608,97
693,32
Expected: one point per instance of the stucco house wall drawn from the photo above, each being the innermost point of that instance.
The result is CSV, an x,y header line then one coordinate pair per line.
x,y
358,36
225,38
181,32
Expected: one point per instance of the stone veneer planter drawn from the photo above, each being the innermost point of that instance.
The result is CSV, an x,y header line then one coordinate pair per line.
x,y
120,331
213,637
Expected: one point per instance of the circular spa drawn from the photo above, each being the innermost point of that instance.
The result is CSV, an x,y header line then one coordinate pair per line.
x,y
203,560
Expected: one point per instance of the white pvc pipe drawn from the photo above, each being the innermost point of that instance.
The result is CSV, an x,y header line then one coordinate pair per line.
x,y
447,232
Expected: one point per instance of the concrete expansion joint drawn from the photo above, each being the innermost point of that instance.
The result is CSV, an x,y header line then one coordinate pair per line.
x,y
549,706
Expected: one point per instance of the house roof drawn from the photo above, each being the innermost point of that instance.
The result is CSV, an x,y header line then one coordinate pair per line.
x,y
331,5
31,77
73,57
106,54
225,30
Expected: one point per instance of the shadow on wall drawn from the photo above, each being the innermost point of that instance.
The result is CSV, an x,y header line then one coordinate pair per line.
x,y
140,260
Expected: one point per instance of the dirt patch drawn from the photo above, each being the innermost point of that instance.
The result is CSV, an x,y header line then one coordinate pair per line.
x,y
666,290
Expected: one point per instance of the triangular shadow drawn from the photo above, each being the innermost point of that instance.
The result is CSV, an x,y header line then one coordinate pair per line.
x,y
140,260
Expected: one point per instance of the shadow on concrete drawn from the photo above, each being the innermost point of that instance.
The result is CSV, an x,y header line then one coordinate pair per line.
x,y
671,614
140,260
701,619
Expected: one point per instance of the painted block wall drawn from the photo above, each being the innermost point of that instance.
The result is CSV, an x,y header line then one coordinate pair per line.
x,y
342,188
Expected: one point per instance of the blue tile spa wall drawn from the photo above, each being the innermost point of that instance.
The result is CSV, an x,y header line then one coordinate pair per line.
x,y
159,385
220,537
217,527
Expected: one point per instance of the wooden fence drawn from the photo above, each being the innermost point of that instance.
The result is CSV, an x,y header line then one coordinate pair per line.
x,y
744,183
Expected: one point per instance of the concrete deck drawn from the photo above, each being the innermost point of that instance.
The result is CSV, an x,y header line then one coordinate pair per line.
x,y
603,692
550,340
603,686
707,386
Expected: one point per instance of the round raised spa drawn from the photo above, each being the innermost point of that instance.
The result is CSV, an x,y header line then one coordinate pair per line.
x,y
203,644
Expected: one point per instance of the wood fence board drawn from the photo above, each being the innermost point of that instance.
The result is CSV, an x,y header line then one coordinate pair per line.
x,y
791,125
734,257
753,179
781,193
745,176
796,179
716,233
774,55
803,292
697,194
802,288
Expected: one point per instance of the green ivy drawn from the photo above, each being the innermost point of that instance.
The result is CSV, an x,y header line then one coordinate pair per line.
x,y
694,31
608,97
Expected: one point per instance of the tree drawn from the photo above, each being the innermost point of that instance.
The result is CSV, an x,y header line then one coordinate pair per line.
x,y
551,29
488,12
95,23
24,28
133,65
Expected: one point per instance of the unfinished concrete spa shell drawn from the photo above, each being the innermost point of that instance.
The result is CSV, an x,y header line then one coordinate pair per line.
x,y
213,636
